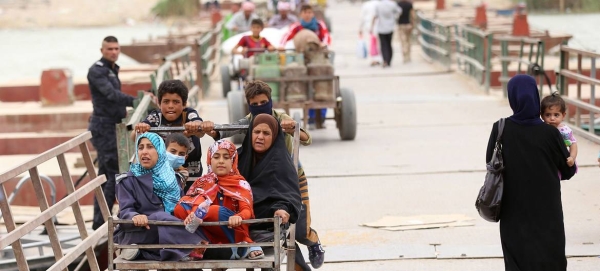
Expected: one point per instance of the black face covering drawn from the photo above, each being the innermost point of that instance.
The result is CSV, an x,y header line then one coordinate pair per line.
x,y
261,109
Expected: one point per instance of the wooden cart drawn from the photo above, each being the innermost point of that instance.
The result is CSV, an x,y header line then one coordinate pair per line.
x,y
282,247
344,105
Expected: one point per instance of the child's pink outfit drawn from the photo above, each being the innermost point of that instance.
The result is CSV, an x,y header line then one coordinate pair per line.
x,y
569,138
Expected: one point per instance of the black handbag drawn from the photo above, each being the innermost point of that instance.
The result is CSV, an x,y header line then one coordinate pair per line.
x,y
489,199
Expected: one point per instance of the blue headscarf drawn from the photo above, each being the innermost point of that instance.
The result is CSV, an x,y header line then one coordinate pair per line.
x,y
524,100
312,25
163,176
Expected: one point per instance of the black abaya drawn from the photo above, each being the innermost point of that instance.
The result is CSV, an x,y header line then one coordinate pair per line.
x,y
531,220
273,179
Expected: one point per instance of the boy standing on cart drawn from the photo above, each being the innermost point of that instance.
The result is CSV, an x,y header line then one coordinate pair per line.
x,y
172,99
258,96
253,43
310,22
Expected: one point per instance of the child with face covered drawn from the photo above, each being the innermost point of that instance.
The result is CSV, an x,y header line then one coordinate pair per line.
x,y
150,191
178,147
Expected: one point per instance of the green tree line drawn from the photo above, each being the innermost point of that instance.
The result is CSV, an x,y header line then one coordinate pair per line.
x,y
176,8
555,5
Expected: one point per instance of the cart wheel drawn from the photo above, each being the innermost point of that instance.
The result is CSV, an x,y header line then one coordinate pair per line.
x,y
347,118
236,107
225,79
298,119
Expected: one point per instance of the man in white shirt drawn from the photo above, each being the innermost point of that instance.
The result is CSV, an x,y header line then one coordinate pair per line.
x,y
241,21
367,13
386,13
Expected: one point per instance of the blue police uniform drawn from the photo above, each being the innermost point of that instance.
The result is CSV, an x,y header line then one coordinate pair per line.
x,y
109,105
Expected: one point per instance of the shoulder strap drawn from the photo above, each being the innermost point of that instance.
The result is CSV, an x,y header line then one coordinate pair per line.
x,y
500,129
183,117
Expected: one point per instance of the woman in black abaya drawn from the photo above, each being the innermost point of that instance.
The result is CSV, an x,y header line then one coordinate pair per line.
x,y
531,221
266,164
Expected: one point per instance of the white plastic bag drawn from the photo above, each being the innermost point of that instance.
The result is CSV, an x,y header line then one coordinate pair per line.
x,y
361,49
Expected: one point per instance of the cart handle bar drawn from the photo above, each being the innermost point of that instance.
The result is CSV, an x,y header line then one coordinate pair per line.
x,y
218,127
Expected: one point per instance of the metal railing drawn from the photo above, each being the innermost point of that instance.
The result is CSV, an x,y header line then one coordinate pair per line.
x,y
474,53
125,146
89,241
585,128
24,180
534,55
436,40
178,66
208,54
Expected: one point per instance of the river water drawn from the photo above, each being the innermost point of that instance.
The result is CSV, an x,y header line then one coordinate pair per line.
x,y
28,52
583,27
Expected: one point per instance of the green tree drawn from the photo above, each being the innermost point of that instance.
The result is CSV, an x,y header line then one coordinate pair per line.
x,y
179,8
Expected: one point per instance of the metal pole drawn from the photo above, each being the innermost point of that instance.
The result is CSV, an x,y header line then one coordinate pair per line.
x,y
218,127
504,49
488,62
592,96
198,59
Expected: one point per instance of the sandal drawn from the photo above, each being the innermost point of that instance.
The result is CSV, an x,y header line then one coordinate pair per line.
x,y
197,253
253,251
243,252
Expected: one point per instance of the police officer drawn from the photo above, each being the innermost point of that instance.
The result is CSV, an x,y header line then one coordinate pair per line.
x,y
109,108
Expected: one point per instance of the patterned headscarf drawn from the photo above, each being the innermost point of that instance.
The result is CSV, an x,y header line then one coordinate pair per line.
x,y
230,147
164,183
233,184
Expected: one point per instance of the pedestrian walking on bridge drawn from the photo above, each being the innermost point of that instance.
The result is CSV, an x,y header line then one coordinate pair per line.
x,y
406,23
532,230
386,13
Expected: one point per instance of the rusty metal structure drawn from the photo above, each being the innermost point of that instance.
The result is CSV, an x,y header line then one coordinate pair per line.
x,y
62,256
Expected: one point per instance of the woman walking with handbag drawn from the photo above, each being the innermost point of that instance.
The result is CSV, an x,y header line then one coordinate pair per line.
x,y
531,219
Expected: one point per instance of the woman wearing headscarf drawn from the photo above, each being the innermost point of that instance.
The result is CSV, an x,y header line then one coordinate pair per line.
x,y
266,164
150,191
229,197
531,221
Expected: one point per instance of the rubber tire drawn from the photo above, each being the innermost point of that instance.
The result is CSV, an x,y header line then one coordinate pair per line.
x,y
236,108
225,80
347,127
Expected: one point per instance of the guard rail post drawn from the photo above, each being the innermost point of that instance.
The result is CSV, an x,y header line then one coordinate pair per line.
x,y
473,53
581,124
